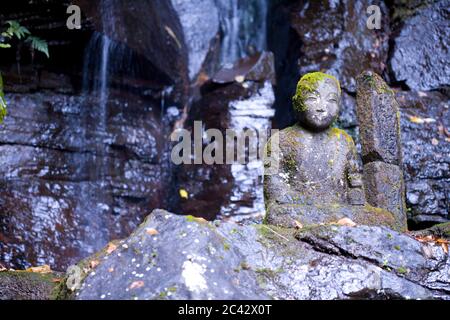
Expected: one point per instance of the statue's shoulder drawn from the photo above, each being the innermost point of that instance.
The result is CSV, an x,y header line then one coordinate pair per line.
x,y
290,137
340,136
294,131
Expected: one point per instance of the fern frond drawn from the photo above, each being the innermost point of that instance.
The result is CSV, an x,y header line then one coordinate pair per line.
x,y
39,45
15,29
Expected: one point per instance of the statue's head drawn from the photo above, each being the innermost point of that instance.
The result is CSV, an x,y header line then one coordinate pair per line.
x,y
317,99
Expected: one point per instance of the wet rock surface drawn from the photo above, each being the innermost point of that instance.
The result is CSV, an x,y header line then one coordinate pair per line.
x,y
426,148
69,185
333,45
200,25
150,28
420,53
225,260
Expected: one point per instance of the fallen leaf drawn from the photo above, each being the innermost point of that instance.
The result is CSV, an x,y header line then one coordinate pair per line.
x,y
40,269
111,270
56,280
111,247
93,264
151,231
200,220
445,247
298,225
434,142
239,79
346,222
136,285
415,119
419,120
184,194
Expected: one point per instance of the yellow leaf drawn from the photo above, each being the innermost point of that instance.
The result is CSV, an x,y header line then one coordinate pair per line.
x,y
419,120
151,231
415,119
346,222
41,269
136,285
184,194
239,79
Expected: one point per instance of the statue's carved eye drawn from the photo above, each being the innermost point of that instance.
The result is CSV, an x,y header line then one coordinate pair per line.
x,y
311,98
332,100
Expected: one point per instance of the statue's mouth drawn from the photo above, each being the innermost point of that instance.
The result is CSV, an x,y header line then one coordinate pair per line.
x,y
321,114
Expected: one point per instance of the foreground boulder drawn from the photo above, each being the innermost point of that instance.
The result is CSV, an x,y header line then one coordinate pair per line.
x,y
182,257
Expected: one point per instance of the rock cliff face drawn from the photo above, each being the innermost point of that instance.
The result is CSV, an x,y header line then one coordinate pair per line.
x,y
224,260
73,177
77,171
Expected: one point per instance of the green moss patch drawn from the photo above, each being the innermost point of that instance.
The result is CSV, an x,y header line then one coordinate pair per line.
x,y
308,83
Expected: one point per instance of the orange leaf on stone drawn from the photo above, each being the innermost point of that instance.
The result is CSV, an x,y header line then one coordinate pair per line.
x,y
151,231
40,269
136,285
111,248
346,222
93,264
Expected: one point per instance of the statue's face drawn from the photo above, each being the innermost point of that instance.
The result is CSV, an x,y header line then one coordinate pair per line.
x,y
322,105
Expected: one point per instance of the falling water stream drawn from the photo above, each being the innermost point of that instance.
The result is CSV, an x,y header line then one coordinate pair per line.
x,y
243,25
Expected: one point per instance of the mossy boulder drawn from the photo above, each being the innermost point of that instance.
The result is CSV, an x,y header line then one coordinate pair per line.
x,y
24,285
174,257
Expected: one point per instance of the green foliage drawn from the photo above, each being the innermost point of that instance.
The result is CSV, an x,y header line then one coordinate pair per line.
x,y
23,34
39,45
2,101
15,29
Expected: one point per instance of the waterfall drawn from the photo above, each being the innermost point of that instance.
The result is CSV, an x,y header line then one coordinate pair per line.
x,y
243,25
99,61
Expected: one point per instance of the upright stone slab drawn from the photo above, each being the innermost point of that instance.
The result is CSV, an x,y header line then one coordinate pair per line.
x,y
379,119
384,186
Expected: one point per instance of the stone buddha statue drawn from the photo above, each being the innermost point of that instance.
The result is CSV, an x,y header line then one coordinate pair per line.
x,y
319,179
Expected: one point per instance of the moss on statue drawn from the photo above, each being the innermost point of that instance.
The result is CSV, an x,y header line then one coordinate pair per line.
x,y
308,83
